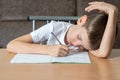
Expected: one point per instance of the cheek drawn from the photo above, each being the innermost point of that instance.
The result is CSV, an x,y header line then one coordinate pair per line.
x,y
76,42
73,40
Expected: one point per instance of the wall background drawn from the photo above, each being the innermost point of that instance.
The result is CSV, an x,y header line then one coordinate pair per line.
x,y
13,15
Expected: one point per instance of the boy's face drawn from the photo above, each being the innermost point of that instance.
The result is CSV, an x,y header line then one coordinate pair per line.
x,y
80,39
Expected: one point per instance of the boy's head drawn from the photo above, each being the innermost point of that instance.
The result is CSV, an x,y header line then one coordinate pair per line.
x,y
95,25
88,32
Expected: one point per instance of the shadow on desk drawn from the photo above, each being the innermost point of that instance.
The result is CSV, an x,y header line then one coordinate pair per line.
x,y
115,53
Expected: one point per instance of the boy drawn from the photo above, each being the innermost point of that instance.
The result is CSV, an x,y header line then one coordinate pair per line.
x,y
95,34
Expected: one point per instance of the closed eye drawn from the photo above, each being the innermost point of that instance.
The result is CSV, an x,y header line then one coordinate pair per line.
x,y
79,38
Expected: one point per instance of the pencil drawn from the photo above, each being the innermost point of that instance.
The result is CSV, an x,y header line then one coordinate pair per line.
x,y
56,38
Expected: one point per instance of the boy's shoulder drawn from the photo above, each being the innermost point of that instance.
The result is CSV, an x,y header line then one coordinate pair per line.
x,y
58,26
60,23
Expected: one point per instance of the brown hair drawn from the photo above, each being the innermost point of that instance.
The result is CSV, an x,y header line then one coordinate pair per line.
x,y
95,26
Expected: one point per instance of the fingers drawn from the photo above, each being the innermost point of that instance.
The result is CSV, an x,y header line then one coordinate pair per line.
x,y
60,50
63,51
94,6
92,3
90,8
65,48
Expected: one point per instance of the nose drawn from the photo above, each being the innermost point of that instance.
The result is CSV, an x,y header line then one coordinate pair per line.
x,y
79,44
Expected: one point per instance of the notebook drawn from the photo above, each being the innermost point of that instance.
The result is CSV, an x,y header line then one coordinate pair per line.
x,y
73,57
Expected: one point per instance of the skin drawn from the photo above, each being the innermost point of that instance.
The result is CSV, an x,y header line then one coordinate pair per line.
x,y
76,36
109,34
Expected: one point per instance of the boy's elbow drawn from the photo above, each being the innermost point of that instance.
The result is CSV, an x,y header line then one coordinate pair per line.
x,y
102,55
105,54
9,46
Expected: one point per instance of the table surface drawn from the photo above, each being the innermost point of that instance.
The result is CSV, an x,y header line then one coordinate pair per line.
x,y
99,69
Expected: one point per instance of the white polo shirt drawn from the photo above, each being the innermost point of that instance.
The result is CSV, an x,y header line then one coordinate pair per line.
x,y
43,34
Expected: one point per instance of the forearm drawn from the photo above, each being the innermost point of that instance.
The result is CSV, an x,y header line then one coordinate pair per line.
x,y
23,47
17,46
109,34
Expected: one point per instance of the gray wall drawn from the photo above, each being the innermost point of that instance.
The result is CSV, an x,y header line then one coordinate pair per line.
x,y
13,15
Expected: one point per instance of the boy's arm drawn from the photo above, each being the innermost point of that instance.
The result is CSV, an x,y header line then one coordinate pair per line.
x,y
24,44
110,31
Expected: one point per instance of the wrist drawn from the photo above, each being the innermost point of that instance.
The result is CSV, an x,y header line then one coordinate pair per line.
x,y
113,13
114,10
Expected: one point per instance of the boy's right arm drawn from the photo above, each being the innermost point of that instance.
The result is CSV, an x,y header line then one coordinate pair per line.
x,y
24,44
110,31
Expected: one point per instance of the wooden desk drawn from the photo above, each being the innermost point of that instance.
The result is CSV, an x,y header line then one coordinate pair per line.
x,y
99,69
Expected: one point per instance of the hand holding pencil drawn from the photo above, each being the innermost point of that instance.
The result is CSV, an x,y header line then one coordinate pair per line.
x,y
59,49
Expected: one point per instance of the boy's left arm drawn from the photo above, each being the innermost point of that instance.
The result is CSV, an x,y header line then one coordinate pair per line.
x,y
110,31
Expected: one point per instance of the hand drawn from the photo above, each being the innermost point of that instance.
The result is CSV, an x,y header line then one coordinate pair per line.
x,y
102,6
58,50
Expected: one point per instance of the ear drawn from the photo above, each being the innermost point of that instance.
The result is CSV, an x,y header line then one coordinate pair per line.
x,y
82,20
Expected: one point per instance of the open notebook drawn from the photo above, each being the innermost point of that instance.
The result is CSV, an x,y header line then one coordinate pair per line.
x,y
73,57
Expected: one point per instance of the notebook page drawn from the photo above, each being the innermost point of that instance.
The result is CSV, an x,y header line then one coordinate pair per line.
x,y
73,57
31,58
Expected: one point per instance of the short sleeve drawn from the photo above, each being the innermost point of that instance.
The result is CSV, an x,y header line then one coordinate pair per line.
x,y
42,34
